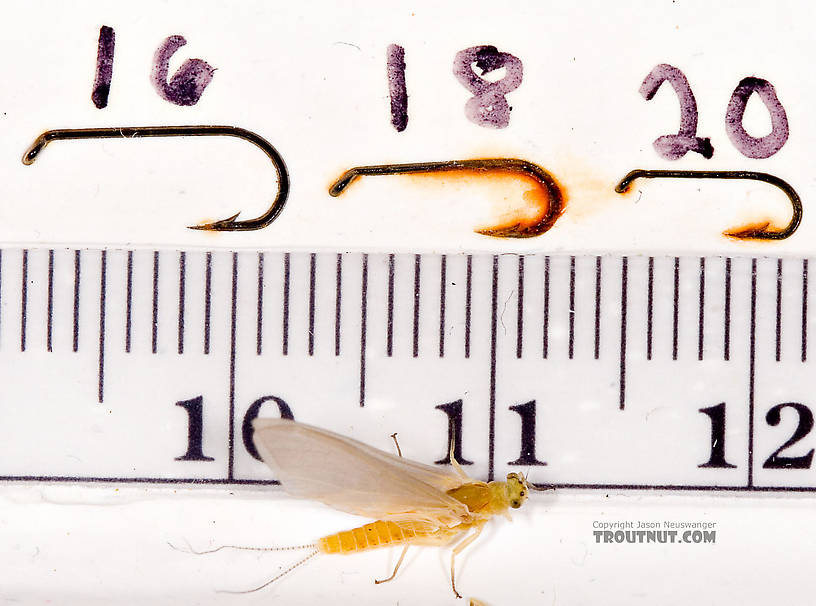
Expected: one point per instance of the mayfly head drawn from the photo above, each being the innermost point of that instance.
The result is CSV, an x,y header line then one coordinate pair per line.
x,y
517,489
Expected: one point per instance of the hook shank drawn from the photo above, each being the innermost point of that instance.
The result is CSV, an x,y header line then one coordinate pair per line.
x,y
133,132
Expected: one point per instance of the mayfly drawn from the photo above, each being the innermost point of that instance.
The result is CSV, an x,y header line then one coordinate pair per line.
x,y
412,503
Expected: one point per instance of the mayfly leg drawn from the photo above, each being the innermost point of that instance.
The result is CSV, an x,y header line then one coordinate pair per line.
x,y
396,568
394,437
458,549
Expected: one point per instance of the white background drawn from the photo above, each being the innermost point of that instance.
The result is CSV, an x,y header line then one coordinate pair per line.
x,y
310,78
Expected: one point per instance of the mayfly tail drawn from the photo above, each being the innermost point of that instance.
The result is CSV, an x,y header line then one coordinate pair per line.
x,y
282,574
287,548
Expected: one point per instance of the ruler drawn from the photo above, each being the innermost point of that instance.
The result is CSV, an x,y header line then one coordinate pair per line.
x,y
597,372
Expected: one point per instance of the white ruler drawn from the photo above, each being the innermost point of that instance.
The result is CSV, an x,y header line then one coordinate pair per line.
x,y
598,372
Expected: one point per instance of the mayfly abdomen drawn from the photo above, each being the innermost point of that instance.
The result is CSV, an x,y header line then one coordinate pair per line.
x,y
372,535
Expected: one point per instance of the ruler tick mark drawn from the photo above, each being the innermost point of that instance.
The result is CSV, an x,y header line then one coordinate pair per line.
x,y
675,312
312,280
804,308
129,300
103,267
727,312
155,320
571,312
546,334
259,318
285,335
778,309
181,301
337,302
624,286
417,275
50,313
649,308
207,301
389,321
751,371
442,292
77,278
233,325
493,338
701,312
597,307
520,309
468,292
24,301
363,322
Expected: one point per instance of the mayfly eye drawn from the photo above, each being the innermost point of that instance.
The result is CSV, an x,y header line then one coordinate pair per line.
x,y
521,494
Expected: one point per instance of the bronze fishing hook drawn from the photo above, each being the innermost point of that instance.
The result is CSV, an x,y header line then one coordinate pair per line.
x,y
546,219
131,132
756,232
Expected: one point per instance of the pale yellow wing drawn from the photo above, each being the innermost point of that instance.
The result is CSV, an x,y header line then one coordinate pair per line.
x,y
351,476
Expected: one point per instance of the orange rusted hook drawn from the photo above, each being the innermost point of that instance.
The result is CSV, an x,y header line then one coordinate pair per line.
x,y
548,215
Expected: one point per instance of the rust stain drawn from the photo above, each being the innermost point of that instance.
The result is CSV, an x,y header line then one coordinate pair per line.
x,y
529,198
751,231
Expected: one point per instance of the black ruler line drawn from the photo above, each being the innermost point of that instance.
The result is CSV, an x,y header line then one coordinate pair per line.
x,y
207,301
494,308
50,312
751,371
259,316
389,320
417,294
727,312
233,325
520,309
363,327
103,271
338,284
701,312
778,309
77,278
312,281
468,294
285,330
597,307
24,301
248,482
624,287
181,299
154,342
443,266
128,300
545,339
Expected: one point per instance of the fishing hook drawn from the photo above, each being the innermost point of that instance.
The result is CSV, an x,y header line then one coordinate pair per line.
x,y
544,180
757,232
132,132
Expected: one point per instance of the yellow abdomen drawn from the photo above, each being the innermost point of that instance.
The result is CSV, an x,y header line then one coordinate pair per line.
x,y
376,534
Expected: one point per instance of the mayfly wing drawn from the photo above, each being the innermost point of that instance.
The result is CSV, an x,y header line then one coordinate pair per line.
x,y
351,476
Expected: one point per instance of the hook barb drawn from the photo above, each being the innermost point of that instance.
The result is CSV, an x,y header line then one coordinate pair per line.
x,y
551,210
132,132
761,231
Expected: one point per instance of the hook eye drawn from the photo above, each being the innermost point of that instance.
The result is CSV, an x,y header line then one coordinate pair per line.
x,y
132,132
550,202
761,231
